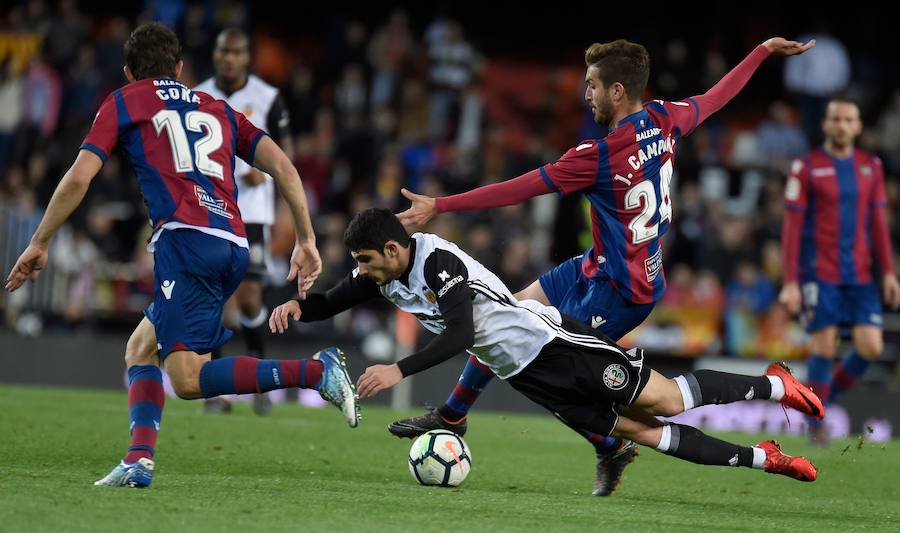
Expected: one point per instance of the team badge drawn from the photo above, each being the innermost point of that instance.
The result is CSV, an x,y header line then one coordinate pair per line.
x,y
615,377
430,297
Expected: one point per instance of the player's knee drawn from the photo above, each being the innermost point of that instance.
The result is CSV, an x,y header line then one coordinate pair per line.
x,y
186,387
669,406
824,347
184,372
870,348
138,351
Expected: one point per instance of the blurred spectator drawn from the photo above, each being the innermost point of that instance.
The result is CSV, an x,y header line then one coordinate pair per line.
x,y
888,131
815,77
389,51
452,65
780,138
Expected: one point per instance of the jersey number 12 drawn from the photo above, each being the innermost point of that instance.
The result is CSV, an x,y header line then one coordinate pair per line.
x,y
196,121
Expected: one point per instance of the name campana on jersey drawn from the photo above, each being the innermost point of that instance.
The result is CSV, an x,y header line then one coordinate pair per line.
x,y
652,150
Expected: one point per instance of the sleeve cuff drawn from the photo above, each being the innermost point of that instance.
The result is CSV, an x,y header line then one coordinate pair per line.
x,y
96,150
251,154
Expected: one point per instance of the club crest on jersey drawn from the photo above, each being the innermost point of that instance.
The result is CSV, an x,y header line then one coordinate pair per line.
x,y
213,205
615,377
432,299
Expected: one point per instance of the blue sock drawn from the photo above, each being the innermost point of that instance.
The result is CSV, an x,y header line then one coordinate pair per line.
x,y
818,377
847,373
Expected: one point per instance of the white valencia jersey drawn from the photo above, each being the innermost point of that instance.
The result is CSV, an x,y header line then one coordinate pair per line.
x,y
509,333
255,101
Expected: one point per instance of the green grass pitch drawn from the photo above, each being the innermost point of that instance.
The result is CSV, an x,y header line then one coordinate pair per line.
x,y
304,470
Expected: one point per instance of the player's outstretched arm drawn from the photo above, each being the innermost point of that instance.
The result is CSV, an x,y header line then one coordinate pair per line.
x,y
780,46
458,336
350,292
510,192
730,85
305,262
67,196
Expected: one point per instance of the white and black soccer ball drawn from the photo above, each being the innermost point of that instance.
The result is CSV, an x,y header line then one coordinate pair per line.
x,y
441,458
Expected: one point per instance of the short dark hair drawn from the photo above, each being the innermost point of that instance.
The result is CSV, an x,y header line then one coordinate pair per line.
x,y
152,51
233,33
843,99
373,228
621,61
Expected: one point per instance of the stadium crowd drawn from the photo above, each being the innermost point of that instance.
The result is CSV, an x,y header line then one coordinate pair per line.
x,y
376,106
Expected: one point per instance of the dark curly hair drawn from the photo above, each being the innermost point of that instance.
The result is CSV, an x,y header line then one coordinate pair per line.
x,y
152,51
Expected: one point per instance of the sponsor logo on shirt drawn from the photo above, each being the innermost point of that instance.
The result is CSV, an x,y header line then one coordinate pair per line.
x,y
217,207
449,285
647,134
581,147
653,264
822,172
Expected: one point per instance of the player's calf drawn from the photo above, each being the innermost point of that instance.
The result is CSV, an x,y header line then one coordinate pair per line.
x,y
691,444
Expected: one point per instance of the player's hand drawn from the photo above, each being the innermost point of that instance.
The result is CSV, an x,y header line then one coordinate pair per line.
x,y
892,291
782,47
278,321
29,265
305,266
422,210
253,178
791,297
376,378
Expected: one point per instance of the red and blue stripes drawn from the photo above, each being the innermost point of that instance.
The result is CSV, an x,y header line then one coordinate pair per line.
x,y
145,406
475,377
249,375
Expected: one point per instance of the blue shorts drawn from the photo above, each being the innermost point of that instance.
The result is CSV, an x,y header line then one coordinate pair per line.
x,y
591,301
194,274
827,304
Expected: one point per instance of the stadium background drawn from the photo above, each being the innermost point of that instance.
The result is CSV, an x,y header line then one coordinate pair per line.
x,y
439,98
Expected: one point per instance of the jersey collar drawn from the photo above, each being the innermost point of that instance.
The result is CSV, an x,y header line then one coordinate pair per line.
x,y
404,279
634,117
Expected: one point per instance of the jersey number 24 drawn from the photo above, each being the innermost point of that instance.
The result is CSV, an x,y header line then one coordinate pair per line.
x,y
643,196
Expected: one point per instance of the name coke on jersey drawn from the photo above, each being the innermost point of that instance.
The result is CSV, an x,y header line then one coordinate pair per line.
x,y
175,91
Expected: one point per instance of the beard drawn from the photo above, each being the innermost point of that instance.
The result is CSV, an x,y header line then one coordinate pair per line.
x,y
603,112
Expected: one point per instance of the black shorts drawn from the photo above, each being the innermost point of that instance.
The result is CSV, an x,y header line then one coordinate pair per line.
x,y
258,239
582,376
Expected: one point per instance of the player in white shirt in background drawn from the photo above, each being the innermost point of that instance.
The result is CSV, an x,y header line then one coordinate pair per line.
x,y
263,105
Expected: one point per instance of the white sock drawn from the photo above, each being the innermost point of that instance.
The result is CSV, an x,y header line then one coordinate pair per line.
x,y
759,458
686,396
777,388
665,441
256,321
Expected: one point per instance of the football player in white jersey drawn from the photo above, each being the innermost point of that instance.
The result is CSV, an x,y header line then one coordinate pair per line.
x,y
263,105
576,373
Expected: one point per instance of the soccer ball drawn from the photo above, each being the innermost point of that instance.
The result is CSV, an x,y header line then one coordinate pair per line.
x,y
440,457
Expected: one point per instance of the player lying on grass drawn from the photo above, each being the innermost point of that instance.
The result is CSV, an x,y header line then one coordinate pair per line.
x,y
581,376
614,285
